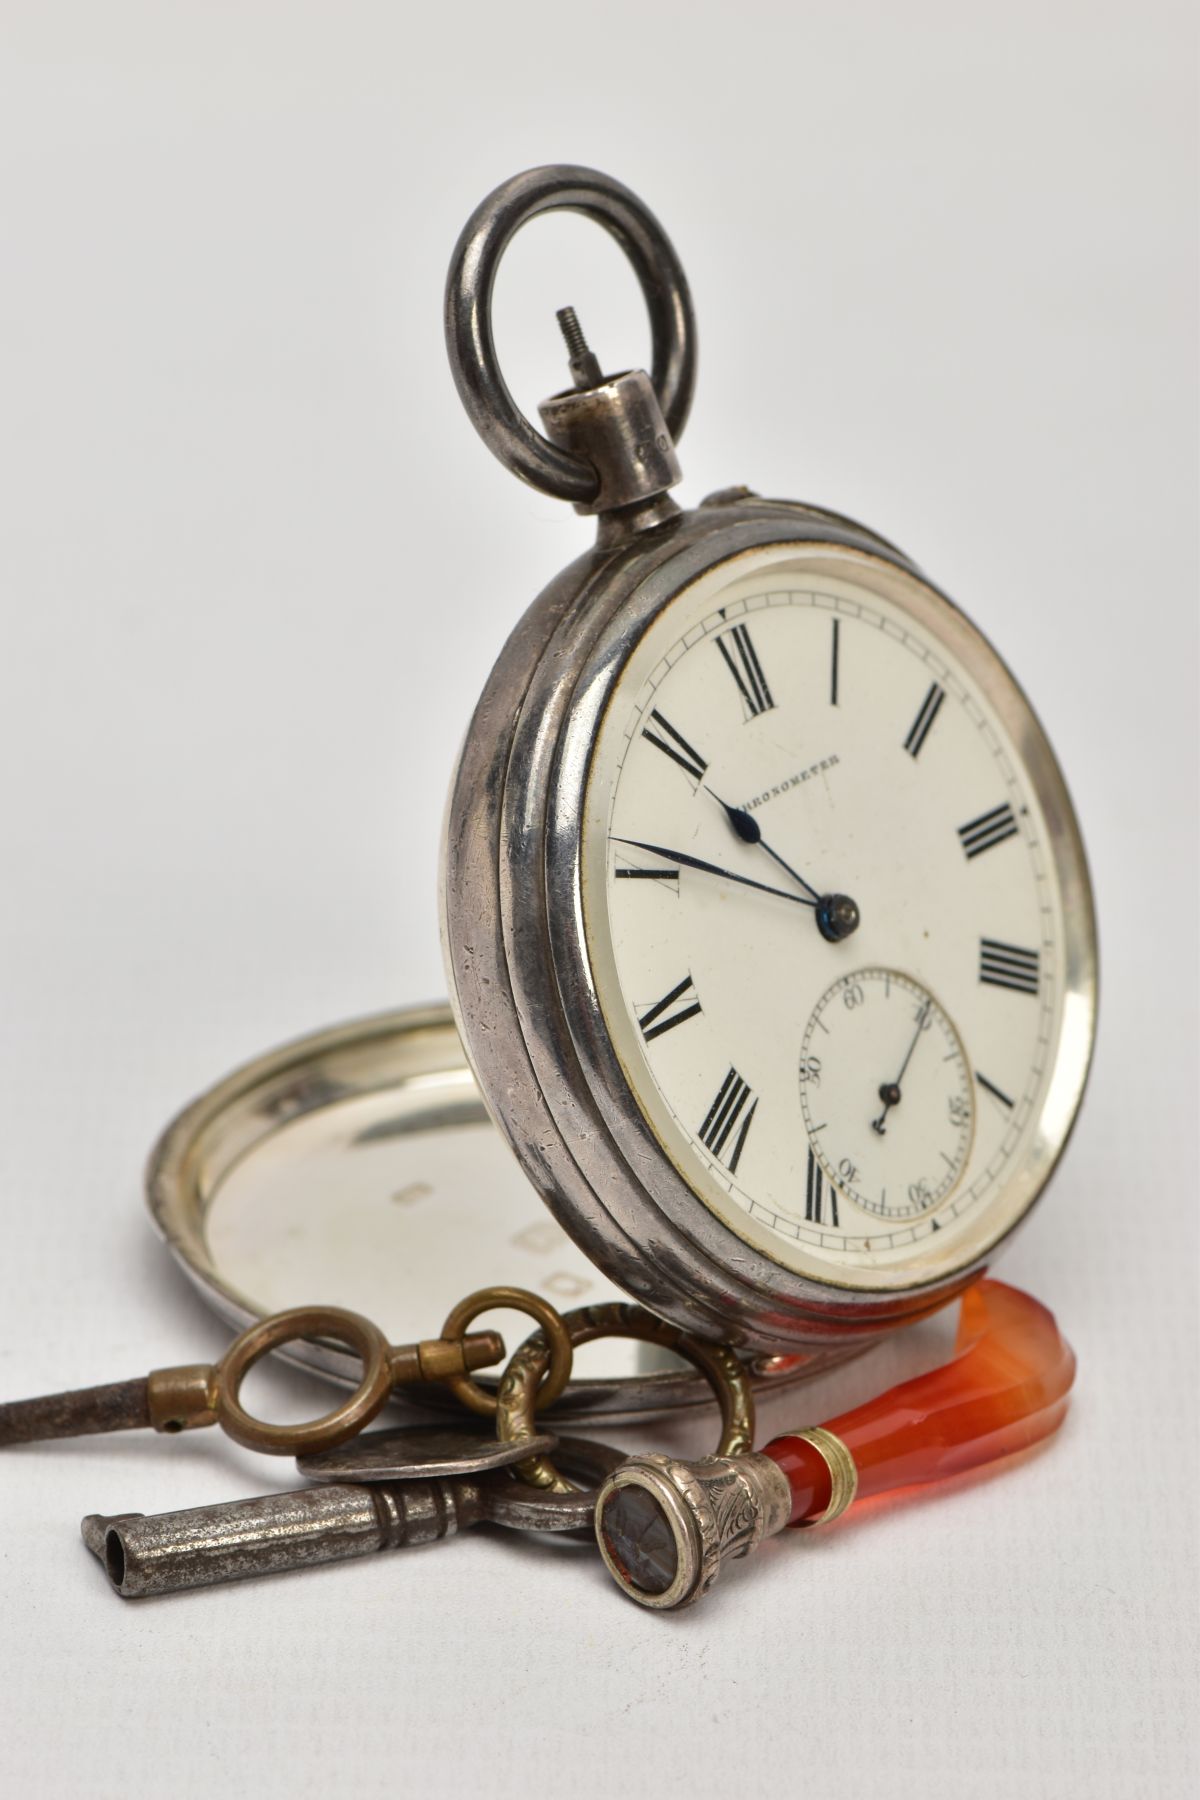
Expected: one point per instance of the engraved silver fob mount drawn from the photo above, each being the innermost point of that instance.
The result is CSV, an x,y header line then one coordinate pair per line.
x,y
766,914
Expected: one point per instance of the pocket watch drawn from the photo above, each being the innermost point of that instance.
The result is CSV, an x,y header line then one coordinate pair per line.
x,y
767,918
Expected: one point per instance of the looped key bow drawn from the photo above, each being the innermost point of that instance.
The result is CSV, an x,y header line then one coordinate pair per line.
x,y
195,1394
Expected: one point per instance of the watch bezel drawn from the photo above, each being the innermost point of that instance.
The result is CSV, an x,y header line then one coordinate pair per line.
x,y
528,1008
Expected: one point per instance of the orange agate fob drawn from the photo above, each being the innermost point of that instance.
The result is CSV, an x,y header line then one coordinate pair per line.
x,y
1005,1389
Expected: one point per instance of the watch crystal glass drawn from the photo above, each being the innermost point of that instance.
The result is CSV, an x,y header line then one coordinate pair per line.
x,y
824,917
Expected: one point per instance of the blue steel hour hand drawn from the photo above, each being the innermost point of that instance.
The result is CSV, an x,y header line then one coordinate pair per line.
x,y
837,914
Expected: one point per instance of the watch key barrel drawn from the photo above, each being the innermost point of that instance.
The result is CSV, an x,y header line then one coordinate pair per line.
x,y
80,1412
165,1553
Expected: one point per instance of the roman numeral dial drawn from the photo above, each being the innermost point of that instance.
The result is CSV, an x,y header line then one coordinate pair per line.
x,y
988,830
1006,966
820,1195
675,1008
847,1103
663,735
623,872
997,1093
728,1120
741,659
923,724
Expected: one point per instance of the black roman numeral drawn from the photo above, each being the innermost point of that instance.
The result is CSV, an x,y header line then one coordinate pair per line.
x,y
833,663
672,743
724,1114
660,1018
627,874
922,725
817,1191
990,1087
988,830
1004,965
741,659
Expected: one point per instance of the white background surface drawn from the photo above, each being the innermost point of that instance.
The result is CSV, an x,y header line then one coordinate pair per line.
x,y
254,567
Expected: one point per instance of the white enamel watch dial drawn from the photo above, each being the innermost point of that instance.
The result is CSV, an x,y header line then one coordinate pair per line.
x,y
823,918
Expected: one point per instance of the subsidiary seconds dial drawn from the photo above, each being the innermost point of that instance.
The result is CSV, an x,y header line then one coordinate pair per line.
x,y
886,1094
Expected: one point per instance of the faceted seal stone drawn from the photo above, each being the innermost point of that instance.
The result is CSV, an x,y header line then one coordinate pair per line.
x,y
639,1539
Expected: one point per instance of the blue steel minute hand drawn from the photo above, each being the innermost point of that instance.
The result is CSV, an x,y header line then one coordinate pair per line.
x,y
707,868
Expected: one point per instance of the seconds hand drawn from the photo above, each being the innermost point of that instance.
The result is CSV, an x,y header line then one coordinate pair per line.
x,y
889,1093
